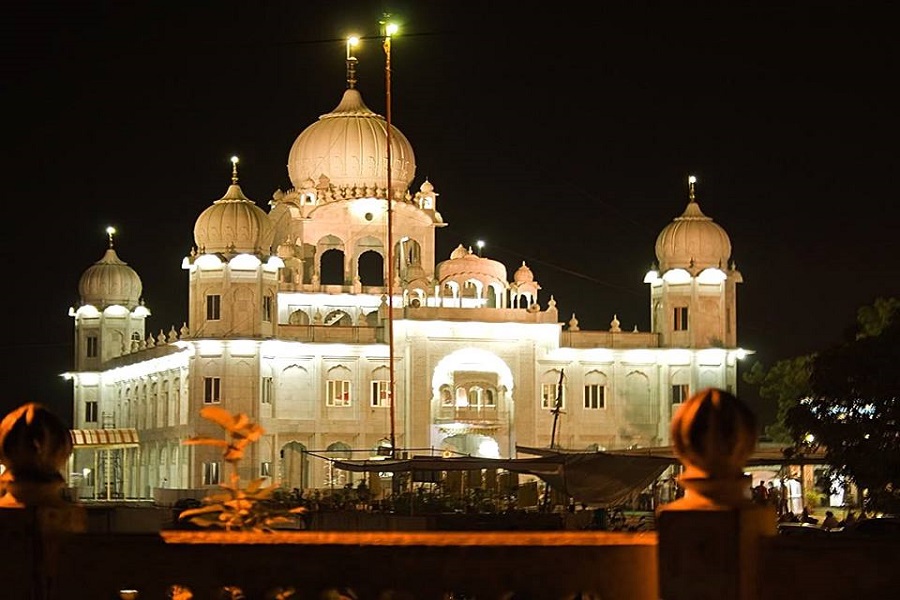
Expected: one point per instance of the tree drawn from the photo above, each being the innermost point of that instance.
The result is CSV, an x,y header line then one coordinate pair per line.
x,y
783,385
853,408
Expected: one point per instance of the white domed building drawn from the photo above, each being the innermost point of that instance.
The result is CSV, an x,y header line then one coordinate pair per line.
x,y
297,319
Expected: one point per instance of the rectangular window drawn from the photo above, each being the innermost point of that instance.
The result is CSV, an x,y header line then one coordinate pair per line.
x,y
681,318
212,390
548,395
268,387
594,396
213,307
680,393
267,308
337,393
265,469
211,473
381,392
90,411
93,346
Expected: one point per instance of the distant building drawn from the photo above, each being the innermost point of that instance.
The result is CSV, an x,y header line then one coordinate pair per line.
x,y
290,320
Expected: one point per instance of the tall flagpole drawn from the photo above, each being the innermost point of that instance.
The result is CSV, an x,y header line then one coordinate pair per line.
x,y
389,30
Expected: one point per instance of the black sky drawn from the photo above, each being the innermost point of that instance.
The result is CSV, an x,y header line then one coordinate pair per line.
x,y
560,134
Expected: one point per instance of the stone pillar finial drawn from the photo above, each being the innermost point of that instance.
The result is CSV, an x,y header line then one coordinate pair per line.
x,y
714,433
34,446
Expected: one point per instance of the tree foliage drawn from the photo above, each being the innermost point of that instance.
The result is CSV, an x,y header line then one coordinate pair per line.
x,y
853,406
783,385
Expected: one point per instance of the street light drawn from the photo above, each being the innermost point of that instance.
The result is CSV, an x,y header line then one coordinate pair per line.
x,y
389,29
480,244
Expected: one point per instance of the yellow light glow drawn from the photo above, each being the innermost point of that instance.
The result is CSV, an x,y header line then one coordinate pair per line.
x,y
391,29
208,261
692,179
234,160
242,347
244,262
110,230
711,275
352,42
209,347
652,276
711,356
676,276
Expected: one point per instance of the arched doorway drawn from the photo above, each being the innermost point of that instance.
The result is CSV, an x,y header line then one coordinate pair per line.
x,y
294,466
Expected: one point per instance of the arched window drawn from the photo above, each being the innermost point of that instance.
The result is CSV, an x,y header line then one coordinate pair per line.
x,y
333,476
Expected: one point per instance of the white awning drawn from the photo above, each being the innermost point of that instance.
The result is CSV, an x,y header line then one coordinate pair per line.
x,y
104,438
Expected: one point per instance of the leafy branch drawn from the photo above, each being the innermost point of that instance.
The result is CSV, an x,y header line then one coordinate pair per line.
x,y
234,507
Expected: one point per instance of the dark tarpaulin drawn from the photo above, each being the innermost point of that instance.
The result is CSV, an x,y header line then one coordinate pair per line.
x,y
594,478
601,478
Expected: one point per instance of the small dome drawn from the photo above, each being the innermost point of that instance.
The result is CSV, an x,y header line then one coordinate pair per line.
x,y
465,264
523,274
110,281
234,224
349,146
692,242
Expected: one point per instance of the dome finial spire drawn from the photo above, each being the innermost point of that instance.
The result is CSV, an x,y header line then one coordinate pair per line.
x,y
110,231
352,42
234,175
692,181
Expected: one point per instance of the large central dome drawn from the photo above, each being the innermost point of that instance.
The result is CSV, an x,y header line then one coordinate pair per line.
x,y
349,146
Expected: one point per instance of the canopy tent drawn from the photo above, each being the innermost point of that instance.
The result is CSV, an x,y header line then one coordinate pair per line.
x,y
593,478
598,478
765,454
535,466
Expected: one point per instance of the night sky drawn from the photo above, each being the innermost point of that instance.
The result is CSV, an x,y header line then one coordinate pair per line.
x,y
561,135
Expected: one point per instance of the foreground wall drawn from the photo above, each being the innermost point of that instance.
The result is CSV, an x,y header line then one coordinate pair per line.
x,y
423,565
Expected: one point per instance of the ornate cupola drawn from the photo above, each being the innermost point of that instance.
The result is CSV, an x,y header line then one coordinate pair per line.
x,y
348,147
693,288
234,225
233,271
110,314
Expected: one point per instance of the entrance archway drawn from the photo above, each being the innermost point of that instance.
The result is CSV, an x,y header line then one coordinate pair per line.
x,y
294,466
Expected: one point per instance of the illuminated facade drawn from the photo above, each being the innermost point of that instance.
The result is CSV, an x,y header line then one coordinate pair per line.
x,y
289,320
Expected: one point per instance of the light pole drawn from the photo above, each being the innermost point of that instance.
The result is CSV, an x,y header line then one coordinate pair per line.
x,y
480,244
389,29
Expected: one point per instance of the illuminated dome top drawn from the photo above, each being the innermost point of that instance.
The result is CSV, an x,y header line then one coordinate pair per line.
x,y
523,274
349,146
109,282
692,242
465,264
234,224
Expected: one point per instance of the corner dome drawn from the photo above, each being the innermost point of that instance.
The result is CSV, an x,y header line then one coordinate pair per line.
x,y
110,282
523,274
234,224
693,242
349,147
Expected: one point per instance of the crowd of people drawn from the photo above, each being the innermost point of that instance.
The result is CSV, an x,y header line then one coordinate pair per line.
x,y
769,494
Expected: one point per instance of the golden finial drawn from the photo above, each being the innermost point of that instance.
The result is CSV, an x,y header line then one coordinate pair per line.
x,y
234,177
352,42
110,231
691,183
388,29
